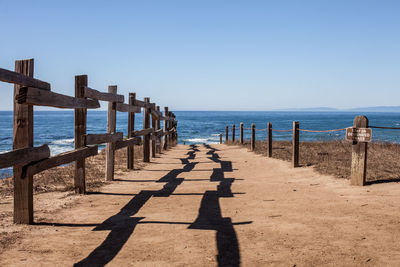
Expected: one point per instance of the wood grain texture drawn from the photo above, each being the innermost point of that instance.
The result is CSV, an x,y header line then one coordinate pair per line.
x,y
60,159
130,142
111,128
23,138
24,156
94,94
359,155
131,128
81,81
38,97
143,132
146,137
21,79
165,139
95,139
121,107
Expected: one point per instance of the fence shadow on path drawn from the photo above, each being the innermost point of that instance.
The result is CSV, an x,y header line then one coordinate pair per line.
x,y
122,224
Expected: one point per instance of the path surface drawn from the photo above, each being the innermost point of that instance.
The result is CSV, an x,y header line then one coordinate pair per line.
x,y
219,205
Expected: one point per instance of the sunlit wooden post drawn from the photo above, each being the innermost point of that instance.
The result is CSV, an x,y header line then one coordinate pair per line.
x,y
111,128
131,129
253,137
22,138
158,127
81,81
359,155
165,145
146,125
269,139
295,143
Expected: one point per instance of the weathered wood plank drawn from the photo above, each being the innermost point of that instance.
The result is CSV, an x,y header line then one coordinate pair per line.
x,y
60,159
80,114
146,137
23,138
111,128
94,94
24,156
166,125
142,104
22,79
359,155
143,132
127,142
131,128
95,139
121,107
155,114
38,97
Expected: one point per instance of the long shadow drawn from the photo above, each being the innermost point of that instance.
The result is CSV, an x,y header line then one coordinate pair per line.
x,y
122,224
210,216
383,181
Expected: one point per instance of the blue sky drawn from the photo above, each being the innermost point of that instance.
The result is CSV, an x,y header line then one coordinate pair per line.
x,y
212,55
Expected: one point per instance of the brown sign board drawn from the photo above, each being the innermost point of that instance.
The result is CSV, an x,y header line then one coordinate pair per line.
x,y
359,134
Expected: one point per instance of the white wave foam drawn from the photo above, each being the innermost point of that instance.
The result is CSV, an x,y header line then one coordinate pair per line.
x,y
63,141
197,140
54,150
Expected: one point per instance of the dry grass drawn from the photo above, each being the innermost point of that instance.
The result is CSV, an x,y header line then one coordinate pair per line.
x,y
334,157
62,178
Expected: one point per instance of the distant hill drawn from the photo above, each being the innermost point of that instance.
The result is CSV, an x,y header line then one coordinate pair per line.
x,y
377,109
360,109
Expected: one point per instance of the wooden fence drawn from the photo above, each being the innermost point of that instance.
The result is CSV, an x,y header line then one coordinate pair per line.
x,y
359,148
28,160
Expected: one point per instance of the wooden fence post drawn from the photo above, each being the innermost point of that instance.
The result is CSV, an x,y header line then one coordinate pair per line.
x,y
359,155
241,133
146,138
220,138
227,133
165,128
295,143
253,137
269,139
80,129
111,128
170,126
153,139
233,133
158,127
23,137
131,129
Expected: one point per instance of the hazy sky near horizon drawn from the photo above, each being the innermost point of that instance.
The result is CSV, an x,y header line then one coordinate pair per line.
x,y
212,55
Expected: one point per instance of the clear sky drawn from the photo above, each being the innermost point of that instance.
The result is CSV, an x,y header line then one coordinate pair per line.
x,y
212,55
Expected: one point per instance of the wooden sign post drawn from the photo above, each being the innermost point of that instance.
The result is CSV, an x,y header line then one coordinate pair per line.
x,y
359,152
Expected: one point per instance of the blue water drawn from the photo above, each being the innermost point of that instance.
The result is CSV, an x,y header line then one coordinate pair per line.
x,y
56,128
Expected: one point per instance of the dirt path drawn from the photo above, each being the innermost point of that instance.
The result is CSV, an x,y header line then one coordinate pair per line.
x,y
215,205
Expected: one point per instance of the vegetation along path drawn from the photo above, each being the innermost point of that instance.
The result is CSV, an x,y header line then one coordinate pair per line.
x,y
210,205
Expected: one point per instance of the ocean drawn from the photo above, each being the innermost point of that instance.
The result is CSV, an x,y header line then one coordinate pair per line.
x,y
56,128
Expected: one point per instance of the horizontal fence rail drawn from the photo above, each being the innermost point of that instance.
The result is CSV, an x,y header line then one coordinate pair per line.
x,y
28,160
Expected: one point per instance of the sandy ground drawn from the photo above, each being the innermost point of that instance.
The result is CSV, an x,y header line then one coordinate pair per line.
x,y
209,206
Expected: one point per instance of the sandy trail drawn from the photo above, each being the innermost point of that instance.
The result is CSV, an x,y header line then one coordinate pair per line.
x,y
216,205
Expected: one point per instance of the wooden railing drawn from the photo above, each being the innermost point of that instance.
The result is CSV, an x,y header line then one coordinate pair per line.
x,y
28,160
